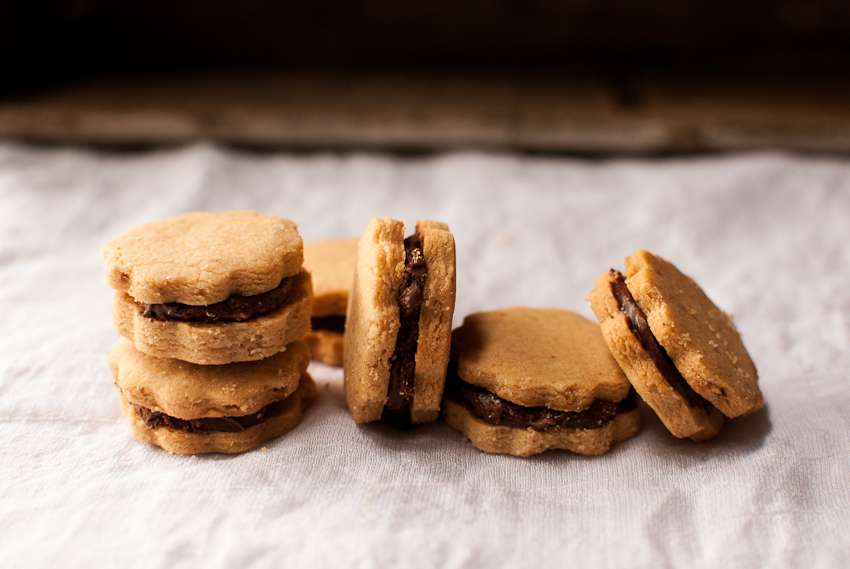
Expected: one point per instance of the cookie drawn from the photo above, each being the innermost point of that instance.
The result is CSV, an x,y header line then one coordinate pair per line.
x,y
188,408
681,352
398,323
526,380
331,266
210,288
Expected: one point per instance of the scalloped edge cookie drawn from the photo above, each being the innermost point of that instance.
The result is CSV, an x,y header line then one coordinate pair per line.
x,y
527,442
693,335
179,442
190,391
221,343
203,258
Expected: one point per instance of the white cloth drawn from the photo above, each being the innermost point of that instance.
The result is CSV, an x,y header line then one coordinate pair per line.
x,y
766,235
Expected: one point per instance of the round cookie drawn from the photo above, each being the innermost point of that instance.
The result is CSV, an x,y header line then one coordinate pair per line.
x,y
331,264
435,321
374,330
210,288
372,319
530,379
186,408
533,357
527,442
203,258
325,346
682,353
218,343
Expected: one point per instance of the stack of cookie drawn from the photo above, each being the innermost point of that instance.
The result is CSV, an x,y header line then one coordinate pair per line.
x,y
211,308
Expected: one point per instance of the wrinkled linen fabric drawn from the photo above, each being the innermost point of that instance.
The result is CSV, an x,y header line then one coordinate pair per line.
x,y
766,235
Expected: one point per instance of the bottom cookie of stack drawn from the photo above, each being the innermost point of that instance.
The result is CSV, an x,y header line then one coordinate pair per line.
x,y
187,408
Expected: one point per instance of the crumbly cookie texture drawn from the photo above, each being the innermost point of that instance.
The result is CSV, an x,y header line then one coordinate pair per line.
x,y
538,357
435,321
190,391
699,337
180,442
203,258
331,263
526,442
372,320
221,343
680,417
325,347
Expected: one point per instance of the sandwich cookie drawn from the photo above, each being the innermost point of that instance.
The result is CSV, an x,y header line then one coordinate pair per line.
x,y
398,324
210,288
526,380
681,352
331,266
187,408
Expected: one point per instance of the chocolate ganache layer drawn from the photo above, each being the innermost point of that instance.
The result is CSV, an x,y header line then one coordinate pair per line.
x,y
410,297
640,328
237,308
328,324
155,420
492,409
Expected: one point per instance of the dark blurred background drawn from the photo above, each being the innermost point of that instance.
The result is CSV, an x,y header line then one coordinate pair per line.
x,y
604,76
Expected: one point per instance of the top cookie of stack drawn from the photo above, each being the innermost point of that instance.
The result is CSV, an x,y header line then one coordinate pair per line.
x,y
210,288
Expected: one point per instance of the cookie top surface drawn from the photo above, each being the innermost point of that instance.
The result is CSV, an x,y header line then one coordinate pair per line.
x,y
191,391
331,263
203,258
699,337
538,357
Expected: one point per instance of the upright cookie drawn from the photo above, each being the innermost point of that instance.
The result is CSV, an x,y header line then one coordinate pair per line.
x,y
398,325
331,265
527,380
680,351
188,409
210,288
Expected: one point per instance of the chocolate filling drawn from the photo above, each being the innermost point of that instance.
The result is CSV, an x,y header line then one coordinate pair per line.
x,y
237,308
491,408
640,328
155,420
334,324
410,297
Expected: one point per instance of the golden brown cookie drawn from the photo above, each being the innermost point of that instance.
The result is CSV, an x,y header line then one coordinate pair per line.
x,y
203,258
331,264
210,288
325,346
682,353
218,343
398,326
500,439
525,380
187,408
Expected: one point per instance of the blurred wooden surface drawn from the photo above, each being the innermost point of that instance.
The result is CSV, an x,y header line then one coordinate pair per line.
x,y
585,76
581,114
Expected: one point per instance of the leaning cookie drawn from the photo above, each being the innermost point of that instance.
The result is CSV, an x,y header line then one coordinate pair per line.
x,y
682,354
526,380
188,409
398,324
331,265
210,288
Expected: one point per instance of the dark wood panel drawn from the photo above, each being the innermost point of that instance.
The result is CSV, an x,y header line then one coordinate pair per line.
x,y
583,114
